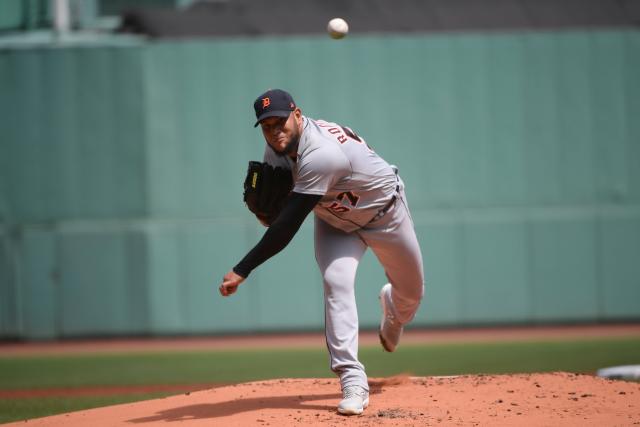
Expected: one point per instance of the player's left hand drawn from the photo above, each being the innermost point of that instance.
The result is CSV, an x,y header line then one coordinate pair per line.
x,y
230,283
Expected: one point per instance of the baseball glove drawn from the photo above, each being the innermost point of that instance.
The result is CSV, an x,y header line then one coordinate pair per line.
x,y
266,190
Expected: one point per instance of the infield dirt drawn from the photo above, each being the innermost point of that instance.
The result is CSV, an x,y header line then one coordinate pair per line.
x,y
469,400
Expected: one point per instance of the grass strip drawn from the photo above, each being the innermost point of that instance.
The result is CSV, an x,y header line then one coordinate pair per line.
x,y
198,367
22,409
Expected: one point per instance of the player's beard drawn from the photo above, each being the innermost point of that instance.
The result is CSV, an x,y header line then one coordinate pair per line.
x,y
292,146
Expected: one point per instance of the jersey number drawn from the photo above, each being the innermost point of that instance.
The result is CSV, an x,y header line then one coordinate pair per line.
x,y
339,207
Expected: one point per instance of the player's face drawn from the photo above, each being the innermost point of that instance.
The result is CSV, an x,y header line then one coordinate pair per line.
x,y
282,133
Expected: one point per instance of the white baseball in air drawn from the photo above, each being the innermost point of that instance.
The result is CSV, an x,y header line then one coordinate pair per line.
x,y
337,28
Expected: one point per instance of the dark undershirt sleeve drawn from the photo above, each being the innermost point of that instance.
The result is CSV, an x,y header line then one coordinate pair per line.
x,y
280,233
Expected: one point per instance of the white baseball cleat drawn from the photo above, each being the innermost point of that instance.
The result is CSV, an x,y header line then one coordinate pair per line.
x,y
390,329
354,400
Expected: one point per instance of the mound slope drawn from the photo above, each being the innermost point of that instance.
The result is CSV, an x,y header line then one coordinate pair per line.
x,y
524,399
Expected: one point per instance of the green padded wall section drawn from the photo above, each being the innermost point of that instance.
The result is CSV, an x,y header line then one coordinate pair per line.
x,y
72,118
122,171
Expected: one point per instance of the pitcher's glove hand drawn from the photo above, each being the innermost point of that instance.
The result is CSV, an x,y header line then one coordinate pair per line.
x,y
266,189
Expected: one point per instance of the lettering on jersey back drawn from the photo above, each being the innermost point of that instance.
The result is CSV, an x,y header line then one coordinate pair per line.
x,y
342,133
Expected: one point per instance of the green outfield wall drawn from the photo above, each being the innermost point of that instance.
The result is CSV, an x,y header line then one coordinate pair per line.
x,y
16,15
121,168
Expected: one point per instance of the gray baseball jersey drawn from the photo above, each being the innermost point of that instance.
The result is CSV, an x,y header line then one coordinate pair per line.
x,y
336,163
356,187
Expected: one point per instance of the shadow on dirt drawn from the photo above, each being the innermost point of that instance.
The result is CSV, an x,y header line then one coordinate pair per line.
x,y
225,409
300,402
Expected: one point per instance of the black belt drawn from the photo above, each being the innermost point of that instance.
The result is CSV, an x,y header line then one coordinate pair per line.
x,y
386,207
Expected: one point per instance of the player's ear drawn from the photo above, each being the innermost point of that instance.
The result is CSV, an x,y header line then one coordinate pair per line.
x,y
297,117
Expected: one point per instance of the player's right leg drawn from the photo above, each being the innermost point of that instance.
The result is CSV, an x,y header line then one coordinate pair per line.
x,y
338,254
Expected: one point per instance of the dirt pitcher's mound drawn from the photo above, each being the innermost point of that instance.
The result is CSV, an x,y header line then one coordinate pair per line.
x,y
526,399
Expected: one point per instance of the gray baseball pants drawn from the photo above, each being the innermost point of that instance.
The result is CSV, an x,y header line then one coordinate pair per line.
x,y
393,240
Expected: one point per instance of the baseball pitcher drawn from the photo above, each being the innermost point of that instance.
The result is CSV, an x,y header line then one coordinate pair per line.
x,y
359,202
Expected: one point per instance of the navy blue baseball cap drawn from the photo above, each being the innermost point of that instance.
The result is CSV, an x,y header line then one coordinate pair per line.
x,y
273,103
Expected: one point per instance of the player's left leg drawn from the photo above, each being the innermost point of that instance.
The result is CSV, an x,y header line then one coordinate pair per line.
x,y
394,242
